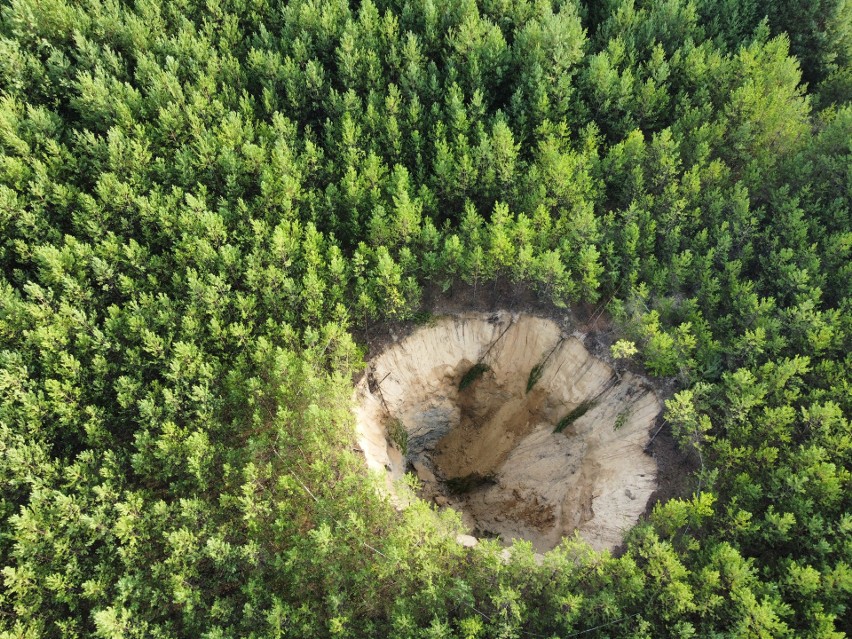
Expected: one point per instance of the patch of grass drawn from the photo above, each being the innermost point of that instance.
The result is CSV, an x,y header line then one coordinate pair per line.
x,y
468,483
398,435
535,375
621,420
476,371
574,415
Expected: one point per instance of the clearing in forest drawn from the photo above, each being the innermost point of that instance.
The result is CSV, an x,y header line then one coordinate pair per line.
x,y
514,424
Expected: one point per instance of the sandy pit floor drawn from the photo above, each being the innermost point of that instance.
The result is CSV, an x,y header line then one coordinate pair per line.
x,y
491,449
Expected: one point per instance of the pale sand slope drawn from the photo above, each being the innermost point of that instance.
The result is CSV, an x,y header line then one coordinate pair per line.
x,y
519,479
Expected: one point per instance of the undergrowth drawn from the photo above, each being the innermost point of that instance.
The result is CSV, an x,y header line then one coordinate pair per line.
x,y
476,371
535,375
574,415
621,420
398,435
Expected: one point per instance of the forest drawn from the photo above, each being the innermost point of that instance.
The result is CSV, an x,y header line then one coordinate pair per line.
x,y
203,204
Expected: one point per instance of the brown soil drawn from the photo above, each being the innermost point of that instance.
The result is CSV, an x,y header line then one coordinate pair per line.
x,y
490,449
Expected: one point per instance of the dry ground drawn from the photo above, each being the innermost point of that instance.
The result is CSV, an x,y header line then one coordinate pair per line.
x,y
490,450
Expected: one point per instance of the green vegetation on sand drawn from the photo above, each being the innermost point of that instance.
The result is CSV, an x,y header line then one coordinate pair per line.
x,y
574,415
474,373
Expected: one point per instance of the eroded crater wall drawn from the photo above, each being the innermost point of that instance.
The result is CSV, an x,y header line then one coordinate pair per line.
x,y
491,451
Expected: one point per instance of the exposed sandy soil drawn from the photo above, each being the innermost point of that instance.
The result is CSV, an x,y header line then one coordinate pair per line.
x,y
490,450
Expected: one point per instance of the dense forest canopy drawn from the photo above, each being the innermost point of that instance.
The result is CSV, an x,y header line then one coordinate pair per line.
x,y
200,201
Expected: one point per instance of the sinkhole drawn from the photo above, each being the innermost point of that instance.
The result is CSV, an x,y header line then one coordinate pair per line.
x,y
512,422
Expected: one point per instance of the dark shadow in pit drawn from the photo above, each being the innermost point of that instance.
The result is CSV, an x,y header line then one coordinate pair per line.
x,y
468,483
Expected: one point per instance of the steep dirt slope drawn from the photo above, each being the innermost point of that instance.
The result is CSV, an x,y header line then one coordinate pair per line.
x,y
491,449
